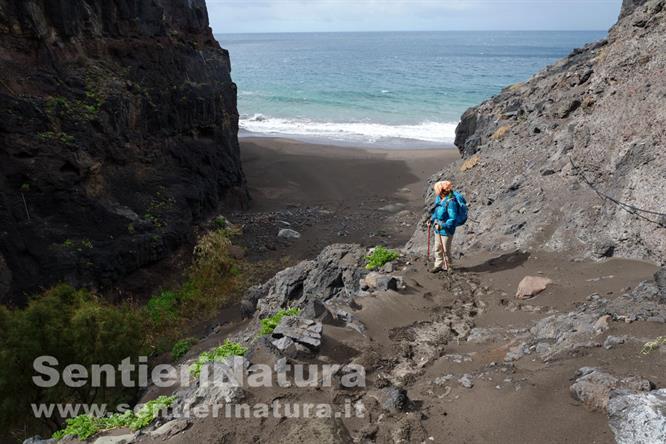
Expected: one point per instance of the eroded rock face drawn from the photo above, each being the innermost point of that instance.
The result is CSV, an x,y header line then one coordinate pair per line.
x,y
118,130
585,118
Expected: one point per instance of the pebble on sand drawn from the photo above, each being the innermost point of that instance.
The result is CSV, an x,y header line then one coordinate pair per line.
x,y
287,233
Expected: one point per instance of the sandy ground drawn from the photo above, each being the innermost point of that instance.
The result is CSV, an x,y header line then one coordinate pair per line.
x,y
528,402
355,195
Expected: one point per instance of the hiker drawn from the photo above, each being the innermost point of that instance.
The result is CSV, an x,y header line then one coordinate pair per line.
x,y
450,211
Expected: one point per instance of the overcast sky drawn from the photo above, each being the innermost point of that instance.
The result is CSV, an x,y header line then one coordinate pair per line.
x,y
410,15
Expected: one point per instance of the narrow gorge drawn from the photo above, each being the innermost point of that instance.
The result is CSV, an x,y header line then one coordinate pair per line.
x,y
118,132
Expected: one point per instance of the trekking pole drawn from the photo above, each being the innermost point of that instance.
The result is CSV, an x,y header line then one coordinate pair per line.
x,y
428,256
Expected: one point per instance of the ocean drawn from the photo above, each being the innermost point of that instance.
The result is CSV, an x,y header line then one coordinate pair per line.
x,y
380,88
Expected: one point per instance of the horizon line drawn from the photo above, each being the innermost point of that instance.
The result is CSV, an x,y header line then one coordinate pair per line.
x,y
411,30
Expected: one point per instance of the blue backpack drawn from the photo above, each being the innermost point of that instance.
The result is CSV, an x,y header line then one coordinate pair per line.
x,y
461,214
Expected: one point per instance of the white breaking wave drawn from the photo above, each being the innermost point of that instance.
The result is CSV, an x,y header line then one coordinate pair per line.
x,y
351,132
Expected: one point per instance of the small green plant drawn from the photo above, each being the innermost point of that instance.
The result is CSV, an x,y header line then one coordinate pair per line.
x,y
86,426
221,222
651,346
380,256
154,219
25,187
149,412
218,354
87,109
268,324
77,245
163,307
181,347
52,136
82,426
118,420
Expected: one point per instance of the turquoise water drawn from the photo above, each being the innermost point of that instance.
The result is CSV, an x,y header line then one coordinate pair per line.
x,y
380,88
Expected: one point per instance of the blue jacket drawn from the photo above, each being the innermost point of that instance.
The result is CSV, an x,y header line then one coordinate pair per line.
x,y
445,214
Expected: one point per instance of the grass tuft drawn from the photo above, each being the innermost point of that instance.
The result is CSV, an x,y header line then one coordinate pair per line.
x,y
83,427
229,348
181,347
380,256
268,324
163,307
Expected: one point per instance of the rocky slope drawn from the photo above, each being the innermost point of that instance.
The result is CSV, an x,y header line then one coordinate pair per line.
x,y
118,130
596,116
440,354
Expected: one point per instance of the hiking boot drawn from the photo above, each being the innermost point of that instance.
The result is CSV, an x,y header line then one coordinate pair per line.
x,y
436,269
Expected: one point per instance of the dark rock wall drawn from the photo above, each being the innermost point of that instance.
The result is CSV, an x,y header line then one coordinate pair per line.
x,y
118,131
598,116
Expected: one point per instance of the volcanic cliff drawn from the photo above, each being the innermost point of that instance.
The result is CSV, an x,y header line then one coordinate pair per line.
x,y
118,131
573,159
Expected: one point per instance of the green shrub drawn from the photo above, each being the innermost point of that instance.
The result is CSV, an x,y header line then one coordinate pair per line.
x,y
63,108
74,326
218,354
181,347
149,412
163,307
118,420
82,426
221,222
215,276
380,256
268,324
86,426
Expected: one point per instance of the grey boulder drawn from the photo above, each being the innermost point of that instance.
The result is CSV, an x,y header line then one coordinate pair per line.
x,y
593,386
38,440
170,428
116,439
289,234
638,418
296,336
393,399
334,274
217,384
380,282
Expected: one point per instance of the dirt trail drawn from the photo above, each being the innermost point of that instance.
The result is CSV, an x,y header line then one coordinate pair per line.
x,y
438,333
522,400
